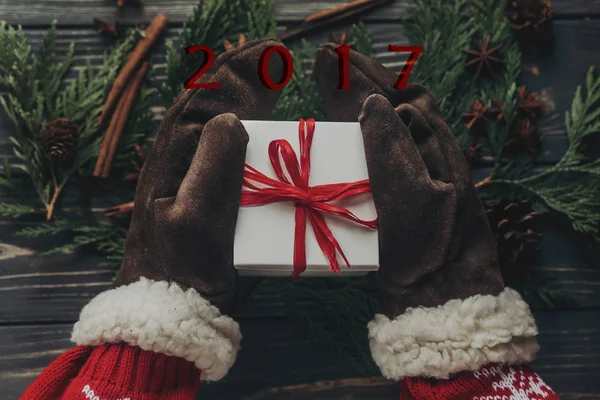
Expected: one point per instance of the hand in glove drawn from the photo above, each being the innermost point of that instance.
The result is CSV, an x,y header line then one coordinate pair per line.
x,y
444,303
179,249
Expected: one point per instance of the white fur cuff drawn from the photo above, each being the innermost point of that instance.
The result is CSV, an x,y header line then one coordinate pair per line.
x,y
161,317
457,336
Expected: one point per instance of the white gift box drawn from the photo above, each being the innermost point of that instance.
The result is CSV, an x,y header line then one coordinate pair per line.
x,y
264,237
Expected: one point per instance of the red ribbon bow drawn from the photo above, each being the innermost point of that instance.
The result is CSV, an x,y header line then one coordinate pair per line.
x,y
310,202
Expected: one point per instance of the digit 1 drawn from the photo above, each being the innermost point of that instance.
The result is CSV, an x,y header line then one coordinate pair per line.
x,y
209,59
415,52
263,67
343,58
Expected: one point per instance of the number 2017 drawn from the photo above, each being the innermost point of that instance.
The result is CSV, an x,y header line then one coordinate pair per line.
x,y
288,66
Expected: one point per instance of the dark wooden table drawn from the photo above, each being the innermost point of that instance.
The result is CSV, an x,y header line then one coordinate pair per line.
x,y
40,297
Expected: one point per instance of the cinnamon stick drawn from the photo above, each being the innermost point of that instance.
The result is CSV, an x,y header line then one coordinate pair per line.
x,y
118,123
336,10
120,209
329,17
152,33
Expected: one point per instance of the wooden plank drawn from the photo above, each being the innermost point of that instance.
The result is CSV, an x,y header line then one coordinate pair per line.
x,y
32,12
36,13
562,71
275,354
47,289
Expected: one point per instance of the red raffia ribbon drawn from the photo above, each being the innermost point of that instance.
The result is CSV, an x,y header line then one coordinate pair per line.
x,y
310,202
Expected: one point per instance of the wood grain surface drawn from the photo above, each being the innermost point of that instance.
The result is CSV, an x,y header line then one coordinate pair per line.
x,y
80,12
278,362
576,44
41,297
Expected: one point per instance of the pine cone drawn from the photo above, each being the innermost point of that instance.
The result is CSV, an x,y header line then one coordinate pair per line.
x,y
512,226
529,14
59,139
532,22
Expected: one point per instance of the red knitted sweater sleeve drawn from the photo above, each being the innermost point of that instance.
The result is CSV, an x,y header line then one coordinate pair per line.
x,y
494,382
115,372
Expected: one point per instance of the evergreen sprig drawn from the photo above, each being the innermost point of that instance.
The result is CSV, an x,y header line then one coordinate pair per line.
x,y
571,187
301,97
33,81
211,23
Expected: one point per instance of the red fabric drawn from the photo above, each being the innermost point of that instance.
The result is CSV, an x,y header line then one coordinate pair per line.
x,y
115,372
310,202
495,382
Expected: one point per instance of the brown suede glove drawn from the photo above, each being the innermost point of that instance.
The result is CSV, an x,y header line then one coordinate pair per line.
x,y
177,277
188,194
434,240
443,299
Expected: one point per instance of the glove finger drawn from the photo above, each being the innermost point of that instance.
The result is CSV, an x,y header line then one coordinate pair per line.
x,y
241,92
207,203
366,76
427,142
390,152
457,170
214,179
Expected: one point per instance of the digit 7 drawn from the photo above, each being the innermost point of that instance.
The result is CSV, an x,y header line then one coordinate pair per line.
x,y
415,52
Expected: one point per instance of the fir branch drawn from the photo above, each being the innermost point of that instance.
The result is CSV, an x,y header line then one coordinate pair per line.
x,y
335,311
58,225
11,210
572,186
361,39
33,81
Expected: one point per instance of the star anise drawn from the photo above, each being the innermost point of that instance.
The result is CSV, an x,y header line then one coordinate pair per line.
x,y
121,3
524,137
484,56
339,40
105,29
530,104
476,114
229,46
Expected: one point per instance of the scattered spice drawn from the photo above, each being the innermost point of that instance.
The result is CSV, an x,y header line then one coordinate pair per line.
x,y
242,41
340,40
476,114
524,137
120,209
530,104
106,29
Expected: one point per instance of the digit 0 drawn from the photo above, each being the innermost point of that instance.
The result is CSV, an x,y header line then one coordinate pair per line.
x,y
263,67
209,59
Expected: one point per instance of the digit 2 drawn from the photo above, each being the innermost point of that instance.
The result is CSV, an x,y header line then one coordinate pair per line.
x,y
209,59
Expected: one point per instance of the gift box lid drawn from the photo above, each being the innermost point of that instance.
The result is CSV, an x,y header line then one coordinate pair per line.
x,y
264,239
